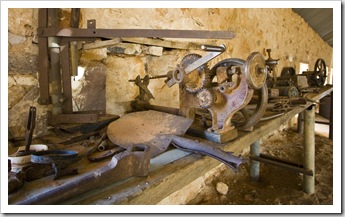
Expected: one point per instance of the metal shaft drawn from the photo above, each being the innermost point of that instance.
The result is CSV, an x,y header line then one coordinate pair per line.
x,y
207,149
255,165
309,149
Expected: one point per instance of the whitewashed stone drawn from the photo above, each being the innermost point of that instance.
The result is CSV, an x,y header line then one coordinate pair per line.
x,y
15,39
11,81
95,54
25,80
15,94
154,50
222,188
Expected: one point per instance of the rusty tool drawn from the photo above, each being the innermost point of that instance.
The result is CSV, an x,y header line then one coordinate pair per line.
x,y
30,126
59,172
158,130
132,162
98,156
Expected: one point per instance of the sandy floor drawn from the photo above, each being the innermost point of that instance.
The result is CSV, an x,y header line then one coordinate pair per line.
x,y
276,185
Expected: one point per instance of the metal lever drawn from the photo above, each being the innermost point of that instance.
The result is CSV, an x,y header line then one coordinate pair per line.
x,y
215,51
213,48
30,126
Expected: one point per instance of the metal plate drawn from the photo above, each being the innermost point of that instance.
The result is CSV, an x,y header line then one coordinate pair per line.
x,y
147,128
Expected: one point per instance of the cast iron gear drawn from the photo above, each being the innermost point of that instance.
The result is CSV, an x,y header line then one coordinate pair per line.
x,y
206,98
195,80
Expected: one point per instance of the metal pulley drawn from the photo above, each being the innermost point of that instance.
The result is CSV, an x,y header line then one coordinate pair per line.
x,y
255,70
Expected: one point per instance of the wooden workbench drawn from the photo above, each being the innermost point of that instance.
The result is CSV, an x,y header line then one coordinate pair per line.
x,y
175,169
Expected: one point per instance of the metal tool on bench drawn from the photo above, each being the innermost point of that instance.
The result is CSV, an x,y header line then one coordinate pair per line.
x,y
158,130
134,161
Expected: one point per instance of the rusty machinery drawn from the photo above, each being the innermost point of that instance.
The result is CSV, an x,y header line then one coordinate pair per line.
x,y
287,90
58,61
216,93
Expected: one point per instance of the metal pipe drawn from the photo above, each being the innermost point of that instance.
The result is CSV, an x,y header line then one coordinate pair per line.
x,y
255,165
54,51
309,149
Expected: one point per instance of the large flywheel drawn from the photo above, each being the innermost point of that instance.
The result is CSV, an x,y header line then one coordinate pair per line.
x,y
320,72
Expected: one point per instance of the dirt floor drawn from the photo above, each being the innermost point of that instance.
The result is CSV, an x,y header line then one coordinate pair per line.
x,y
276,185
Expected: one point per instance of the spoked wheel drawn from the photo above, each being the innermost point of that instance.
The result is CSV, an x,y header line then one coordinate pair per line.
x,y
320,72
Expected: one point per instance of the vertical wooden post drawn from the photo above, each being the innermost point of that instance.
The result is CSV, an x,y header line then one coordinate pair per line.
x,y
255,165
309,149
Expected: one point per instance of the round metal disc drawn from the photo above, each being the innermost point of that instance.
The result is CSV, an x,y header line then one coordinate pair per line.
x,y
255,70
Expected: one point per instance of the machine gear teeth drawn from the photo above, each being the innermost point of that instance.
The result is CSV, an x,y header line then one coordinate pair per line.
x,y
197,78
206,98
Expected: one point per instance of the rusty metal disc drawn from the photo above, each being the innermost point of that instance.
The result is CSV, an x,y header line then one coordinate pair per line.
x,y
255,70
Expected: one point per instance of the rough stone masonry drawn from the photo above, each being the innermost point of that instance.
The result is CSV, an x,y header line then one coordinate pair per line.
x,y
280,29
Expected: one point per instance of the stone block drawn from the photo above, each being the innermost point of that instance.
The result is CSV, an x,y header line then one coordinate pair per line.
x,y
222,188
15,39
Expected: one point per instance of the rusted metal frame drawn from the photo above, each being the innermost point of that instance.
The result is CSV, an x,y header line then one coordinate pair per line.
x,y
72,118
281,163
43,67
161,33
67,107
69,39
55,70
135,162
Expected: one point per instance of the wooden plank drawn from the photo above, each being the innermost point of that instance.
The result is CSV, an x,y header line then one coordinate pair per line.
x,y
101,44
164,43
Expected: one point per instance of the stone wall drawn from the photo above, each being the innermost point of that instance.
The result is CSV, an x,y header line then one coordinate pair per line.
x,y
282,30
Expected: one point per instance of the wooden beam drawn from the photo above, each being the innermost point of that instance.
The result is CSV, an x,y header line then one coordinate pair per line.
x,y
165,43
101,44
